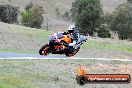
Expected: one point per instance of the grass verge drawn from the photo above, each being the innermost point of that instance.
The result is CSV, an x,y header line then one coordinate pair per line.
x,y
19,51
99,44
49,73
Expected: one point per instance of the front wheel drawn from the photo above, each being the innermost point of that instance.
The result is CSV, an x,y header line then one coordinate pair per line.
x,y
45,50
70,54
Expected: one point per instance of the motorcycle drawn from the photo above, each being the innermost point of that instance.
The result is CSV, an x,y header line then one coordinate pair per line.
x,y
58,44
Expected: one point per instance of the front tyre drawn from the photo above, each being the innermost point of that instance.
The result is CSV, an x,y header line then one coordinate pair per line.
x,y
45,50
70,54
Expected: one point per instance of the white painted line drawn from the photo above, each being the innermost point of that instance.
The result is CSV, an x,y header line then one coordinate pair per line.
x,y
77,58
107,59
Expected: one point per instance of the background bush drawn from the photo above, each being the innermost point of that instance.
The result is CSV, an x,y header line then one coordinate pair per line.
x,y
33,16
8,14
122,22
103,33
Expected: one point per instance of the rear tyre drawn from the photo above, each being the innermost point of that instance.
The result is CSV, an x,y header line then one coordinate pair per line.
x,y
45,50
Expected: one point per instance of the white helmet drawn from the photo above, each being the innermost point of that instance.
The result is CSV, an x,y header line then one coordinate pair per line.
x,y
71,28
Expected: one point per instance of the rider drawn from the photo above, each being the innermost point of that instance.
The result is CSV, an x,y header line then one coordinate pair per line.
x,y
74,35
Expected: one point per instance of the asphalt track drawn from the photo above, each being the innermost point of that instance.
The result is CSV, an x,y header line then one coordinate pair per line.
x,y
11,55
20,55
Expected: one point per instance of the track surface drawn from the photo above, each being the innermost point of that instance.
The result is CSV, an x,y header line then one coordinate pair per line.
x,y
19,55
11,55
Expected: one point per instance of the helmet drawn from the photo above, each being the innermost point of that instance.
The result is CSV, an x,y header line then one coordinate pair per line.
x,y
71,28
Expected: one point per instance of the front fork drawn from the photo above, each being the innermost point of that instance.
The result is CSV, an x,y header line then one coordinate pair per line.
x,y
73,50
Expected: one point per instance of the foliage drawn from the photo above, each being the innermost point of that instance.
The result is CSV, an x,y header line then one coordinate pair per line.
x,y
36,18
8,14
29,6
26,18
108,19
129,1
33,16
122,22
103,33
74,9
87,15
66,16
58,13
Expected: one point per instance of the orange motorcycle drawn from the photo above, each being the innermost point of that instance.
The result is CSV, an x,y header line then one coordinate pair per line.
x,y
58,44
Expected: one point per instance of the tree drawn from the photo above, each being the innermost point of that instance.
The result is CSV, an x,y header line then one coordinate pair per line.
x,y
87,15
122,22
74,9
108,19
33,16
36,18
58,12
29,6
103,32
129,1
8,13
26,18
66,15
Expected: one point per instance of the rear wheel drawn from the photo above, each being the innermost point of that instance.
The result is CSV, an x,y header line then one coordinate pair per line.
x,y
45,50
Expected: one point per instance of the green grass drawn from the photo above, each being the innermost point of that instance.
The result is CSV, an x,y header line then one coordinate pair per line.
x,y
17,74
93,62
19,51
87,45
26,74
37,34
14,81
43,73
27,31
113,46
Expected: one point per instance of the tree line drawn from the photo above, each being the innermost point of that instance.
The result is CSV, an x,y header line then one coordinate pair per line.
x,y
87,15
32,17
90,19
